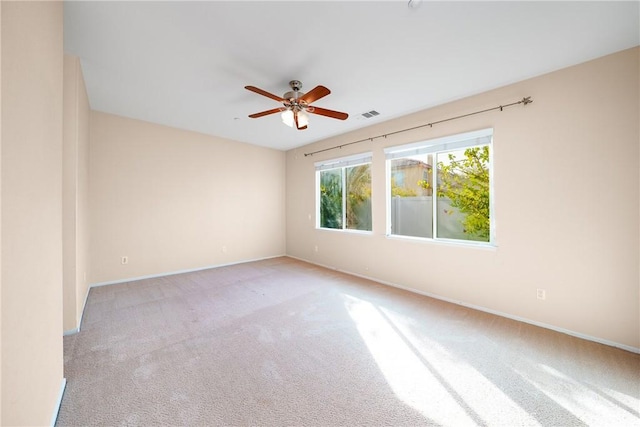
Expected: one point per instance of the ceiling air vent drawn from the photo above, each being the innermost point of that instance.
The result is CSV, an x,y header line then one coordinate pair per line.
x,y
370,114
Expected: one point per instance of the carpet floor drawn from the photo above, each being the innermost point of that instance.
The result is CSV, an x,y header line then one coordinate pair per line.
x,y
281,342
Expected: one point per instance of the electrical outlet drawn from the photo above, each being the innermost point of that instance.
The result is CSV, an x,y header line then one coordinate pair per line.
x,y
224,249
541,294
125,260
315,248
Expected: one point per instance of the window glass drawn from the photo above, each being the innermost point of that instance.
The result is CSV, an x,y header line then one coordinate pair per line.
x,y
358,200
331,198
344,193
411,196
463,194
440,189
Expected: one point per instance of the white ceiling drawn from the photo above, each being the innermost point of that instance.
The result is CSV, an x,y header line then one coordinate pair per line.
x,y
185,64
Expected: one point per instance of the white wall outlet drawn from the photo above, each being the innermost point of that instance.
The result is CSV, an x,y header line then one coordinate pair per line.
x,y
315,248
224,249
541,294
125,260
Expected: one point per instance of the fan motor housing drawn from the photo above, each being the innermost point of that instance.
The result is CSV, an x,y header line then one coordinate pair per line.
x,y
293,95
296,85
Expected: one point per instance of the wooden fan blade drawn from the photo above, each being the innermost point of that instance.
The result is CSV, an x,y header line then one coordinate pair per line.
x,y
315,94
264,93
329,113
264,113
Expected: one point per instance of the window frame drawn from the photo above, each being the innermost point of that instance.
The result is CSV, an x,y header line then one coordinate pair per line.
x,y
436,146
341,163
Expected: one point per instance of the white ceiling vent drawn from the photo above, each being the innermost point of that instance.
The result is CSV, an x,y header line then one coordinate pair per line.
x,y
370,114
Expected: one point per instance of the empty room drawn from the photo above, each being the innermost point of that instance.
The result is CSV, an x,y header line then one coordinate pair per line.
x,y
320,213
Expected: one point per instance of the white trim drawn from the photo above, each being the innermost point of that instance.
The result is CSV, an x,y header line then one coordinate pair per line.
x,y
86,298
484,309
446,143
346,230
84,305
71,331
318,199
443,241
171,273
340,162
56,409
492,197
387,197
345,195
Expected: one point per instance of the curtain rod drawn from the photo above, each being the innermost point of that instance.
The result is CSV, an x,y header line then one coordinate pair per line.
x,y
524,101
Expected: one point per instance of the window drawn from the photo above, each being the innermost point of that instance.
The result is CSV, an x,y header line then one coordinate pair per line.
x,y
457,171
344,193
398,177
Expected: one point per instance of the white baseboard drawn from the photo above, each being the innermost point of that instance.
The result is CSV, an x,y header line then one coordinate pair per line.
x,y
56,409
84,305
480,308
171,273
71,331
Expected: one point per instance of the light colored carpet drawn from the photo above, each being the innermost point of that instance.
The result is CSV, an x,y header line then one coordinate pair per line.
x,y
282,342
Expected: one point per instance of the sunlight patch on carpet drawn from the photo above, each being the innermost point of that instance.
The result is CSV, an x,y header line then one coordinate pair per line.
x,y
584,403
439,387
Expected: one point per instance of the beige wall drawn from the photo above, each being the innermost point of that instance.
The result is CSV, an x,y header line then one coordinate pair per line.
x,y
75,193
566,204
1,102
31,247
82,198
174,200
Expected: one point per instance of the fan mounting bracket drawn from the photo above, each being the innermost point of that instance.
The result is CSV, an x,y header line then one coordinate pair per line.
x,y
296,85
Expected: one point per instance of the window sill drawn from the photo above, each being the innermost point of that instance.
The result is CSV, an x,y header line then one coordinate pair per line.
x,y
444,242
347,231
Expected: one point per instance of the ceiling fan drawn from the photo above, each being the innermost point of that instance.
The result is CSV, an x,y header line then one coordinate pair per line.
x,y
296,105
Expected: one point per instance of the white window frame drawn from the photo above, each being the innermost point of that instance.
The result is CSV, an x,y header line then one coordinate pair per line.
x,y
340,163
440,146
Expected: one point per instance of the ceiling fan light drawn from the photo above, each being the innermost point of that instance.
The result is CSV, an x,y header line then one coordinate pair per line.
x,y
287,118
303,119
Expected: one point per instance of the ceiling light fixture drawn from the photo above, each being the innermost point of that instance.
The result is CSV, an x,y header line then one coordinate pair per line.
x,y
294,110
414,4
287,118
295,105
303,119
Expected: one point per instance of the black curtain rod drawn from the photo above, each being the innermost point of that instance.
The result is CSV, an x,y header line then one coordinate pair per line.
x,y
524,101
